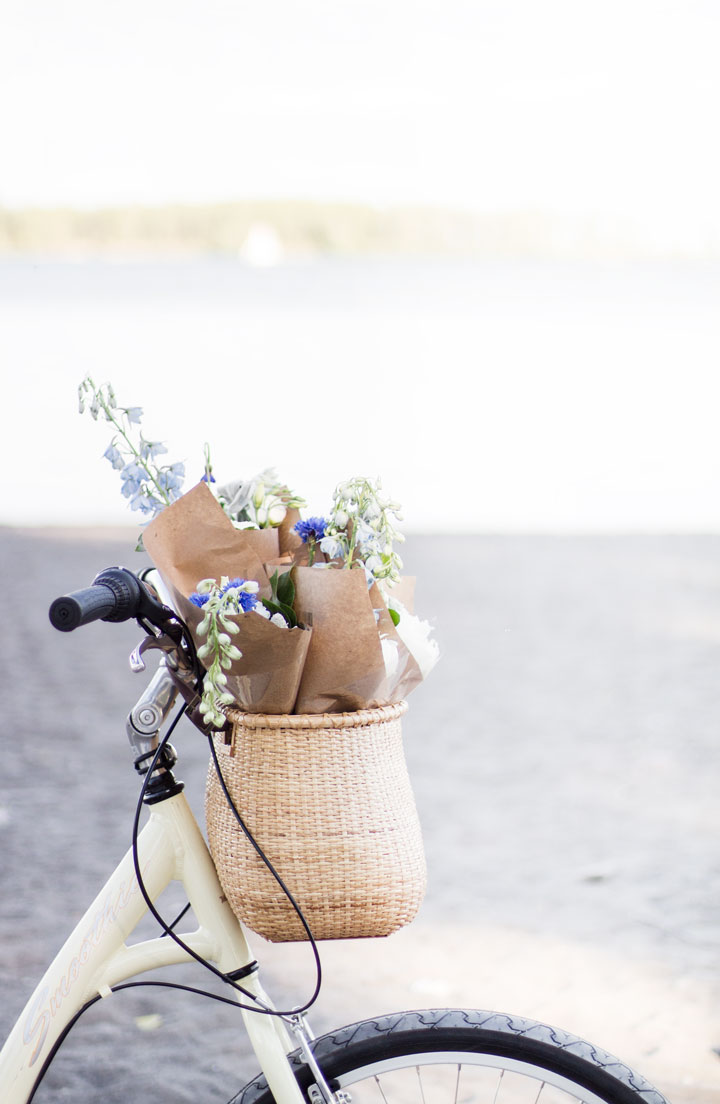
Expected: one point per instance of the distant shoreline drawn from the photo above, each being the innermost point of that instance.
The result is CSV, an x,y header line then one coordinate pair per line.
x,y
265,233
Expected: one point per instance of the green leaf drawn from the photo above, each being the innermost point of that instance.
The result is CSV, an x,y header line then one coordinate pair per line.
x,y
279,607
395,616
285,589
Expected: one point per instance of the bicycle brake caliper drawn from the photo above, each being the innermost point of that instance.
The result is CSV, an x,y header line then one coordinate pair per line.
x,y
319,1092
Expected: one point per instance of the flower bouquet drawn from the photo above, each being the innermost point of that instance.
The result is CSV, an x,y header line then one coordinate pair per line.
x,y
290,615
310,644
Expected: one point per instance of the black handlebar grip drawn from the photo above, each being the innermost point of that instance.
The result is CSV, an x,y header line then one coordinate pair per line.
x,y
115,595
82,606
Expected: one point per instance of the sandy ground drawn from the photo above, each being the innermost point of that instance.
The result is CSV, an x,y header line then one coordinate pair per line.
x,y
565,760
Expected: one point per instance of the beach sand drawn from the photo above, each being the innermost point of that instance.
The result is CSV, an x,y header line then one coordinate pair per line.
x,y
565,760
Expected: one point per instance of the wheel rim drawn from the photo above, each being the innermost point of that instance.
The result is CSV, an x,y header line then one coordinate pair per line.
x,y
461,1078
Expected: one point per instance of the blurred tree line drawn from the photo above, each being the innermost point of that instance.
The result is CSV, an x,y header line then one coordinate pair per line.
x,y
305,228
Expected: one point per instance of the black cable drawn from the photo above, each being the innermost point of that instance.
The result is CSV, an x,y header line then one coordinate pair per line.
x,y
255,1007
138,874
177,919
167,929
276,876
116,989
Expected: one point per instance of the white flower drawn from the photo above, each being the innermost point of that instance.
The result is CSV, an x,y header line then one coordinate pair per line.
x,y
331,547
372,565
415,635
235,495
248,586
276,510
273,618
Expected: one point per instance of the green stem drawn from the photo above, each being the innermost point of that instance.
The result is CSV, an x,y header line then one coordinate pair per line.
x,y
351,551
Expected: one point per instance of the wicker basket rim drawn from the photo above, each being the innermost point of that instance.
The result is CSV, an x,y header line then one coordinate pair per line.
x,y
318,720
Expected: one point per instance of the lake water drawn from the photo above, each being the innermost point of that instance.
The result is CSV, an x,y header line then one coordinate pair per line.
x,y
488,395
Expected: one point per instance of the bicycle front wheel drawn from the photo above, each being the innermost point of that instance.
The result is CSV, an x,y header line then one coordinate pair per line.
x,y
447,1056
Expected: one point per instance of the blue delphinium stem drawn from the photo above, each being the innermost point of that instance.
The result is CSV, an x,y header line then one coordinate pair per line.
x,y
148,487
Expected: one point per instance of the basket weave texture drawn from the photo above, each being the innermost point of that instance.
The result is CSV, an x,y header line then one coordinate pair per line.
x,y
328,799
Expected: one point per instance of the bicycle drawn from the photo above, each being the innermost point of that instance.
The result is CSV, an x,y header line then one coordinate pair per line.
x,y
457,1054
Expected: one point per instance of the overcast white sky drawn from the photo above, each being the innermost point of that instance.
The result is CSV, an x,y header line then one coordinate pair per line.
x,y
571,105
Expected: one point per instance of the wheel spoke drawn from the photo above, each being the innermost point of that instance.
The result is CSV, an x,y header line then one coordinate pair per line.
x,y
422,1091
382,1091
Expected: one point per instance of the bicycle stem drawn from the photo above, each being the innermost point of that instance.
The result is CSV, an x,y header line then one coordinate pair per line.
x,y
152,709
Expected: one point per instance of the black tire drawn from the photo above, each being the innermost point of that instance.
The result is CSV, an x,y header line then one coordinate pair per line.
x,y
499,1057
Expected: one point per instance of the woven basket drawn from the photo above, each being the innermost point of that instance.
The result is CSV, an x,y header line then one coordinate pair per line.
x,y
328,799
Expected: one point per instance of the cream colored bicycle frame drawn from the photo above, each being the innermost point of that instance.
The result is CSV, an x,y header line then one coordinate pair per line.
x,y
97,956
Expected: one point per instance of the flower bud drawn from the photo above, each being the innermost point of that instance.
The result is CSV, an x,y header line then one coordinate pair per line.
x,y
275,510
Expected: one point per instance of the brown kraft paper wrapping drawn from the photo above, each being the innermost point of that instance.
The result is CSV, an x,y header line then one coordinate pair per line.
x,y
266,678
345,668
289,540
404,591
194,539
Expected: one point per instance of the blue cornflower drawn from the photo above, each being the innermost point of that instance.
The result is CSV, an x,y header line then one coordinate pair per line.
x,y
246,601
198,599
205,478
312,527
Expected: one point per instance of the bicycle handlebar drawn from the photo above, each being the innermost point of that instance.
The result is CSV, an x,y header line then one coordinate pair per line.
x,y
116,594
